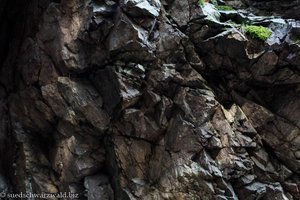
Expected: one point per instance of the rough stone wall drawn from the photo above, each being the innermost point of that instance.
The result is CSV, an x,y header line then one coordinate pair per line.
x,y
286,9
147,100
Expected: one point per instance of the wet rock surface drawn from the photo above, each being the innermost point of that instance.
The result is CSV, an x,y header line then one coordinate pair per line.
x,y
147,100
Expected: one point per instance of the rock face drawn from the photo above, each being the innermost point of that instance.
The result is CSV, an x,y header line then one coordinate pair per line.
x,y
287,9
148,100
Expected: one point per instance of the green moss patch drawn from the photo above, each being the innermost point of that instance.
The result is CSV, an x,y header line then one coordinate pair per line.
x,y
201,2
258,32
224,8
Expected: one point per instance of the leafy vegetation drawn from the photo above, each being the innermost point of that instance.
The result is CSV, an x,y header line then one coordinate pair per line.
x,y
258,32
224,8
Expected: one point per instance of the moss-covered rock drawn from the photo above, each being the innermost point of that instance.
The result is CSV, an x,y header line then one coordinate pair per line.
x,y
201,2
258,32
224,8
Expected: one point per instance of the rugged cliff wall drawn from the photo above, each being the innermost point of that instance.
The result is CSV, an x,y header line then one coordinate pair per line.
x,y
286,9
148,100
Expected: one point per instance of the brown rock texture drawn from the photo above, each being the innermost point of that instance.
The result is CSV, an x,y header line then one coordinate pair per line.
x,y
148,100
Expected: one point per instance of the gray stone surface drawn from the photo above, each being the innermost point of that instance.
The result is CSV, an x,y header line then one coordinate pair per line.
x,y
149,100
